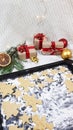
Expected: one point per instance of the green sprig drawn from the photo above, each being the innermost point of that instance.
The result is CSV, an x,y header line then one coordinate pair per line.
x,y
15,62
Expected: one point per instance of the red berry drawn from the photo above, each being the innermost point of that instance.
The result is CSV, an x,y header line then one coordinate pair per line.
x,y
64,41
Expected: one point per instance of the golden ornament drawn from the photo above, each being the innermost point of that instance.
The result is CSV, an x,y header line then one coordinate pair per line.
x,y
66,53
5,59
34,59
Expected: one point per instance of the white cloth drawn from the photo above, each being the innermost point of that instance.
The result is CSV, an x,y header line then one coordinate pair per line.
x,y
21,19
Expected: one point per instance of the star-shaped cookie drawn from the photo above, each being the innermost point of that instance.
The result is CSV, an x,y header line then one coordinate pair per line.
x,y
17,93
25,83
69,85
41,123
62,69
53,71
10,109
25,118
32,101
6,89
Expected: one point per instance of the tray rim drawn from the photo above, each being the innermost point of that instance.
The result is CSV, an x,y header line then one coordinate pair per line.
x,y
15,74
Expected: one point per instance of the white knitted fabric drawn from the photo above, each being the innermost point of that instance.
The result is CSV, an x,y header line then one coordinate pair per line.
x,y
19,20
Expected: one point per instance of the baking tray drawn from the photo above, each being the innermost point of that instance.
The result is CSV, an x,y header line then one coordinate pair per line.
x,y
68,63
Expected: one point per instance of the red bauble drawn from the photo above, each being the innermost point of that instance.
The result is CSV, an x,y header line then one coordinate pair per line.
x,y
64,41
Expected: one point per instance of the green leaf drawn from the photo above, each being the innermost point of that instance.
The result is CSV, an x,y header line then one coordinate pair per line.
x,y
18,65
7,69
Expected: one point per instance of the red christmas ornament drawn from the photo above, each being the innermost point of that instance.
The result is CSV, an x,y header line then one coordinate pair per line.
x,y
64,41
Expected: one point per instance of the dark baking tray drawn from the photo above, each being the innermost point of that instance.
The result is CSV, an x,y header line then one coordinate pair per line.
x,y
68,63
